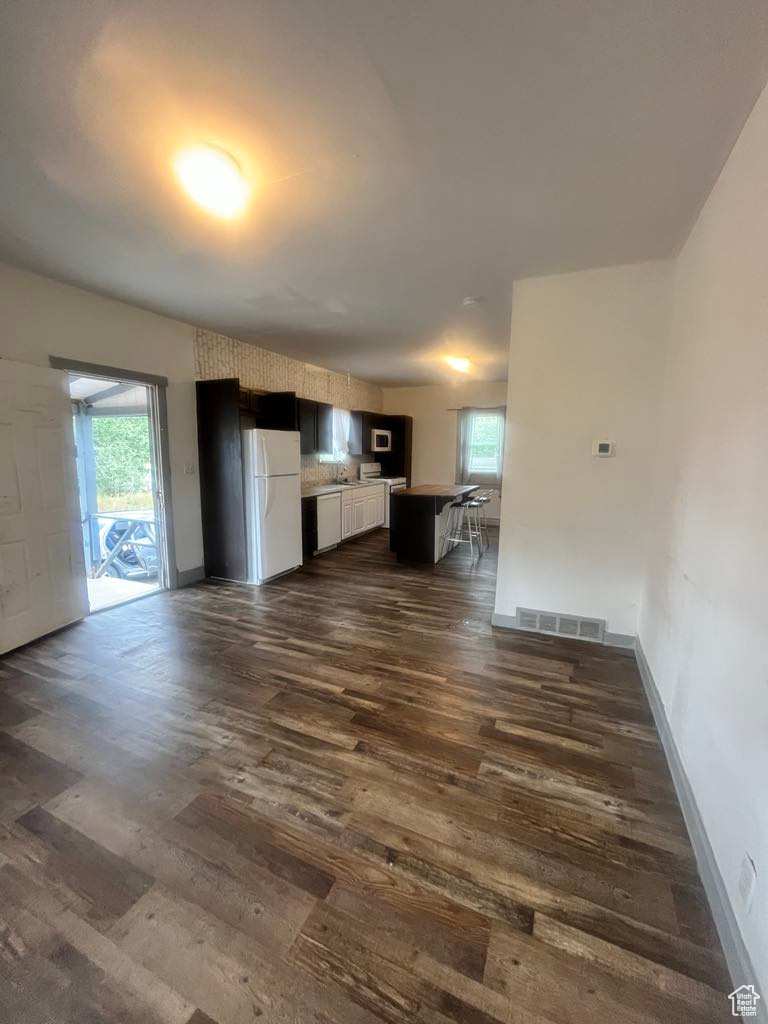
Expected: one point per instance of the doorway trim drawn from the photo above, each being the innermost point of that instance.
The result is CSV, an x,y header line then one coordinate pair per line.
x,y
87,369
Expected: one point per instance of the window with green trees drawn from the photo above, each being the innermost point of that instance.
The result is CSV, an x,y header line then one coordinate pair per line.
x,y
121,448
480,449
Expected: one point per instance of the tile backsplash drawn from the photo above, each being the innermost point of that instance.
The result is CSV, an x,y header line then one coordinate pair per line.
x,y
314,472
218,356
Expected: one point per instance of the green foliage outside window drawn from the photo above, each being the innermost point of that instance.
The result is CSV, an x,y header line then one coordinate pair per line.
x,y
485,443
123,462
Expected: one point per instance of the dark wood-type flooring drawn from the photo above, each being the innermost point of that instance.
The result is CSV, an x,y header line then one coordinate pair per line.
x,y
341,798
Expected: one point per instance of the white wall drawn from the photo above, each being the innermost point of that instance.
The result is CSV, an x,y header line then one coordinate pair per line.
x,y
435,424
584,363
705,612
41,317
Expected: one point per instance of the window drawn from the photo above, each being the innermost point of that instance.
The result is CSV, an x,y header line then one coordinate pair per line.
x,y
480,451
342,427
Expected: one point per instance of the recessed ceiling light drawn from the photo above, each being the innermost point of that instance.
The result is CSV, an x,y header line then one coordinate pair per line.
x,y
213,179
472,300
459,363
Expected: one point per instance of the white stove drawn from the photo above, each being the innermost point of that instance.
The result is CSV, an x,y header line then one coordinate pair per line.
x,y
370,472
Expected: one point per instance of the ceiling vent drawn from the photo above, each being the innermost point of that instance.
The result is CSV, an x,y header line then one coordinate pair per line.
x,y
561,625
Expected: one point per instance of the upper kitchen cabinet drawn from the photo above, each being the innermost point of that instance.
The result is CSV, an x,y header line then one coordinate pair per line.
x,y
361,431
396,461
277,410
315,426
282,410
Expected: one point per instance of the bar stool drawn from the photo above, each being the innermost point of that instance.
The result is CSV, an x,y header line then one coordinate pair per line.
x,y
484,500
463,516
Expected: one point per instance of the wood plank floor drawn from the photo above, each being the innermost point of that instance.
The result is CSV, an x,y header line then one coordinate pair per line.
x,y
341,798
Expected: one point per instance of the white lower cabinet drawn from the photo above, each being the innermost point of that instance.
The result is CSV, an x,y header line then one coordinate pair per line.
x,y
372,511
358,516
362,508
346,520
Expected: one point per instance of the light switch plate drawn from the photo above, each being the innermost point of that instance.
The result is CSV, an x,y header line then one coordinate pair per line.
x,y
603,449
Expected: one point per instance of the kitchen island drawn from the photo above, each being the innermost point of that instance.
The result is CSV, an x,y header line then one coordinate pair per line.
x,y
419,518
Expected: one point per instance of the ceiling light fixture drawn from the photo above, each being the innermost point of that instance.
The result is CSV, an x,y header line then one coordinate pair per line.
x,y
213,179
459,363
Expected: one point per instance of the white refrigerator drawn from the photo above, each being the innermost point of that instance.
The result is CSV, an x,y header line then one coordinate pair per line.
x,y
272,479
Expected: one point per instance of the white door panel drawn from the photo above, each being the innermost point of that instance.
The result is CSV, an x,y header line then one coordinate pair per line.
x,y
15,575
372,511
346,519
358,515
42,571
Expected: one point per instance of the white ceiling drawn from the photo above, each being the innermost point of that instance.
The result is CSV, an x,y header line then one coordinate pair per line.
x,y
410,153
104,396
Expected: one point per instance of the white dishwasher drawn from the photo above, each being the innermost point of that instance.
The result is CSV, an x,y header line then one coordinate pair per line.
x,y
328,520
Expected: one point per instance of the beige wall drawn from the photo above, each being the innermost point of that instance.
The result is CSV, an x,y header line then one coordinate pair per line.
x,y
671,362
585,363
704,615
435,424
41,317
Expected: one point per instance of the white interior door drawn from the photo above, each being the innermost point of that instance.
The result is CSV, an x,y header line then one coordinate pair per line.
x,y
42,570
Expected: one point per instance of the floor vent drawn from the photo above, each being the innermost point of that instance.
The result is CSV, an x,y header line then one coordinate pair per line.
x,y
561,625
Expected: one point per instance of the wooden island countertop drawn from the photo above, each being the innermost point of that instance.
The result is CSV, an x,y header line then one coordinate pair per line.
x,y
418,518
449,491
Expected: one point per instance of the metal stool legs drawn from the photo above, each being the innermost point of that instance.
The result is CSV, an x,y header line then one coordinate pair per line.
x,y
464,527
484,500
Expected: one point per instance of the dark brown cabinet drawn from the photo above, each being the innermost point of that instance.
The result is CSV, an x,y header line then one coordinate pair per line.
x,y
315,426
309,526
363,423
277,410
219,412
282,410
396,462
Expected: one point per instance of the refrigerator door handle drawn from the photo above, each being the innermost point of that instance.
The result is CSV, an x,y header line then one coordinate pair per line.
x,y
264,464
266,497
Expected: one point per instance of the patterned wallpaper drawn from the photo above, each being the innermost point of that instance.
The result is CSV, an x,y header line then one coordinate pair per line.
x,y
216,356
314,472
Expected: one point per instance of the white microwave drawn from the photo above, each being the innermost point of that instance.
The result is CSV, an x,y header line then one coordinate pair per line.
x,y
381,440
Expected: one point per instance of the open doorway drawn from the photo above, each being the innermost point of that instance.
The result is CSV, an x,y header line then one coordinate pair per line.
x,y
122,512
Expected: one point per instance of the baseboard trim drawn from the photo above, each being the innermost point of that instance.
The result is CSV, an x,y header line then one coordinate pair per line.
x,y
186,577
736,954
504,621
620,640
609,639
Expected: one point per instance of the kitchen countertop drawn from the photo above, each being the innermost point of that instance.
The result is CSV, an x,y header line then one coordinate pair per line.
x,y
311,492
437,491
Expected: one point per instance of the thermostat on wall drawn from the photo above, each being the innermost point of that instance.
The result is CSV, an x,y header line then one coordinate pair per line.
x,y
603,449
